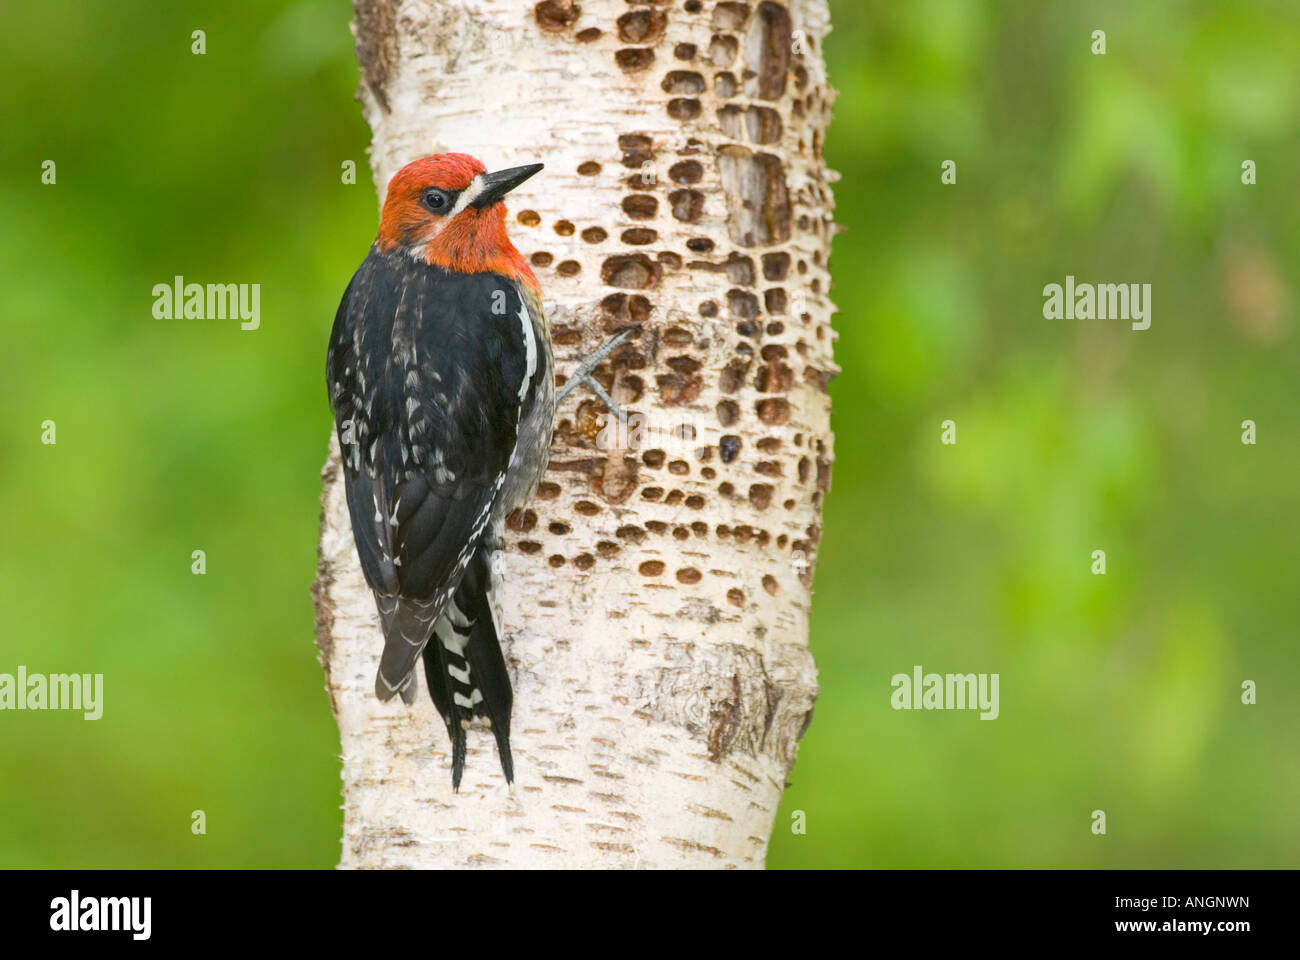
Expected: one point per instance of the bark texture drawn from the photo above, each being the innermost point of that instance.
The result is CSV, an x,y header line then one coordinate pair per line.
x,y
657,591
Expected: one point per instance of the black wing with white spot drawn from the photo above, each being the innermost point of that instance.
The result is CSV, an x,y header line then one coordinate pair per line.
x,y
425,370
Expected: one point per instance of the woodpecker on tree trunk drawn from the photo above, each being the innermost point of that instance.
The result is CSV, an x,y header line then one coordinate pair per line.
x,y
442,383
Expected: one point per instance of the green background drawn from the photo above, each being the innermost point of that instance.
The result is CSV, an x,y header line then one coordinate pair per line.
x,y
1119,693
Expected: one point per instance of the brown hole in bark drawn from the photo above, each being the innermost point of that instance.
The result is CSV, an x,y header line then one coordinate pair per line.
x,y
630,532
676,389
689,575
695,502
769,444
590,35
669,259
728,448
733,375
529,546
724,84
594,234
634,59
556,16
635,141
677,337
589,168
681,533
763,538
708,309
776,265
679,467
640,206
687,205
684,108
723,50
584,561
566,334
547,490
630,389
758,202
805,468
652,493
529,218
641,26
686,171
638,308
774,377
774,300
607,548
708,473
740,270
760,495
773,351
773,410
683,364
564,228
555,560
823,474
699,244
782,540
558,528
569,268
684,51
693,6
586,508
521,521
723,531
730,16
674,498
657,527
700,529
775,328
653,458
800,77
683,82
633,271
818,378
639,236
651,568
802,267
736,597
541,259
768,49
747,329
703,454
742,304
770,584
728,412
769,468
743,533
762,125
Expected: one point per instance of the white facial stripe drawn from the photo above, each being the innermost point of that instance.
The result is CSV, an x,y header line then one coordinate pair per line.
x,y
468,195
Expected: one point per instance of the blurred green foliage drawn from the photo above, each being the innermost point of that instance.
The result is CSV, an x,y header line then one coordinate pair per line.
x,y
1118,692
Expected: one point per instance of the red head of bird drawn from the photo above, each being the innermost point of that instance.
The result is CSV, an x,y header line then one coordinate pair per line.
x,y
447,211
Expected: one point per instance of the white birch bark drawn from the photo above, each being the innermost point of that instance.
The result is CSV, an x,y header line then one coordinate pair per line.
x,y
657,590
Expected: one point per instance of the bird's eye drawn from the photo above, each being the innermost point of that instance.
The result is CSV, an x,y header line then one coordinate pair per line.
x,y
435,199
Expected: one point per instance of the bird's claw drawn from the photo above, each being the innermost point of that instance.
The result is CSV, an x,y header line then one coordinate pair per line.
x,y
582,375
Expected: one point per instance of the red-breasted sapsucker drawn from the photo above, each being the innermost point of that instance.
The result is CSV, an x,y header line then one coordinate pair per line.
x,y
442,383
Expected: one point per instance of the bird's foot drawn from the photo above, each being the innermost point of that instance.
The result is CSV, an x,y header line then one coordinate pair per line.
x,y
583,375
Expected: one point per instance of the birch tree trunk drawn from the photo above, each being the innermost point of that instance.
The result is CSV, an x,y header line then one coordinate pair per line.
x,y
657,590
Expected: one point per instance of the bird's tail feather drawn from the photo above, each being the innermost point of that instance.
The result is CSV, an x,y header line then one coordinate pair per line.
x,y
465,669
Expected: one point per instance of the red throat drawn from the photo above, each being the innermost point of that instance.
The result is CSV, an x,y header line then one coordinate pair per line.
x,y
472,241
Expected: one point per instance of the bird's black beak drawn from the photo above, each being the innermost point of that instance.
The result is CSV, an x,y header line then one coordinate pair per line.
x,y
497,184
